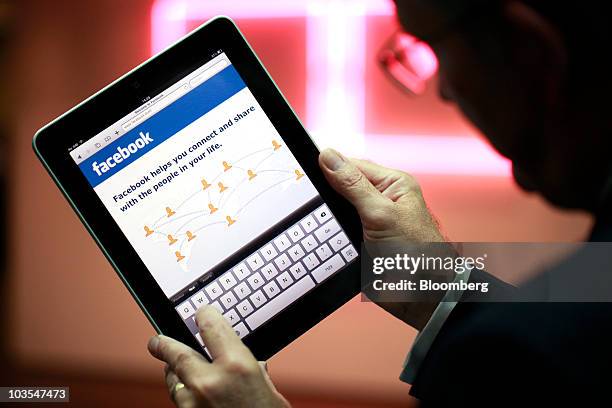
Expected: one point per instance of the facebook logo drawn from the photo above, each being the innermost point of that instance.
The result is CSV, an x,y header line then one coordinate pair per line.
x,y
122,154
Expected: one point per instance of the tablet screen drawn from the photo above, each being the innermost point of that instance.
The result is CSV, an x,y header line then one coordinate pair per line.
x,y
212,200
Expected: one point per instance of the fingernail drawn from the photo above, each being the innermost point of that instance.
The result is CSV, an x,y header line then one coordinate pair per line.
x,y
153,344
332,159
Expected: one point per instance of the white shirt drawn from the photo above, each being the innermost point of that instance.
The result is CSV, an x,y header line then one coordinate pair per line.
x,y
426,337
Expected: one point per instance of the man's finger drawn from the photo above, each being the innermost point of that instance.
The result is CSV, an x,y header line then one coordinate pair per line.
x,y
179,396
181,359
263,365
374,172
346,178
217,334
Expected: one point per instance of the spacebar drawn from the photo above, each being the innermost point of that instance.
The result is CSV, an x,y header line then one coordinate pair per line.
x,y
281,301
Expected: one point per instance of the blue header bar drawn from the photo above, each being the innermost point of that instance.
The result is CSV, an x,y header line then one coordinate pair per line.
x,y
162,126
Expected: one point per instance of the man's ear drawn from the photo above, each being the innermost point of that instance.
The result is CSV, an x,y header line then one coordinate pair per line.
x,y
539,51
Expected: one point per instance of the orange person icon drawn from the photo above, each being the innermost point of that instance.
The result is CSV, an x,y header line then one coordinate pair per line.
x,y
298,174
222,188
148,231
205,184
190,235
226,166
212,208
171,239
229,221
276,145
169,212
179,257
251,174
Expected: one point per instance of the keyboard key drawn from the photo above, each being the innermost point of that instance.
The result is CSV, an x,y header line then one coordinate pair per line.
x,y
282,262
322,214
199,299
213,290
241,271
295,233
241,330
227,281
245,308
324,252
309,224
284,280
349,253
217,306
255,281
269,271
327,231
339,241
281,301
269,252
185,309
311,261
255,262
298,270
328,268
296,252
309,243
228,300
258,299
271,289
282,242
232,317
242,290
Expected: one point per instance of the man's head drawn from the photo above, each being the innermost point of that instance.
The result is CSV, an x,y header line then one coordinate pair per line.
x,y
533,76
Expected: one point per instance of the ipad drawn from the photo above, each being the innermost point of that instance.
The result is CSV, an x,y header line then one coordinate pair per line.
x,y
200,185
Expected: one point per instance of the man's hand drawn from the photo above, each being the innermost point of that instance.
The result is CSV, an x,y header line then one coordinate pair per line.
x,y
388,201
233,379
391,207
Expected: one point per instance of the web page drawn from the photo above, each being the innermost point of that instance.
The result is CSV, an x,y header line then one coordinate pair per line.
x,y
193,182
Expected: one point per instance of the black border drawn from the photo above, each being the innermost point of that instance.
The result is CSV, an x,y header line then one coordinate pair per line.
x,y
52,142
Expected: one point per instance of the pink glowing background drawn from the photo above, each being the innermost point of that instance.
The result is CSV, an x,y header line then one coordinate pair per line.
x,y
336,51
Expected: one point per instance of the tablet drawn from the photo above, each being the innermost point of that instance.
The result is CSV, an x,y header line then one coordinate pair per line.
x,y
200,186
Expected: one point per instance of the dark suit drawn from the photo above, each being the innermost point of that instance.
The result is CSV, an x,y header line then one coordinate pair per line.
x,y
526,354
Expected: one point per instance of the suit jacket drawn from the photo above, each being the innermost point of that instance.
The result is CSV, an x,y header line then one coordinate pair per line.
x,y
524,353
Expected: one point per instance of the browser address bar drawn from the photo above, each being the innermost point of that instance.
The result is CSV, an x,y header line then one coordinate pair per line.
x,y
172,96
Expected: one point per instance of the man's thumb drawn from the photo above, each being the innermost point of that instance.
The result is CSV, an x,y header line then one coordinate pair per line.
x,y
348,180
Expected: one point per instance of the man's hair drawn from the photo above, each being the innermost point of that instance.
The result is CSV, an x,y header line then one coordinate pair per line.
x,y
584,25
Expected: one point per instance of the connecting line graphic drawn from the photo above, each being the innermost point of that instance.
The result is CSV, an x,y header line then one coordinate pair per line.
x,y
219,203
222,202
183,242
216,178
156,223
